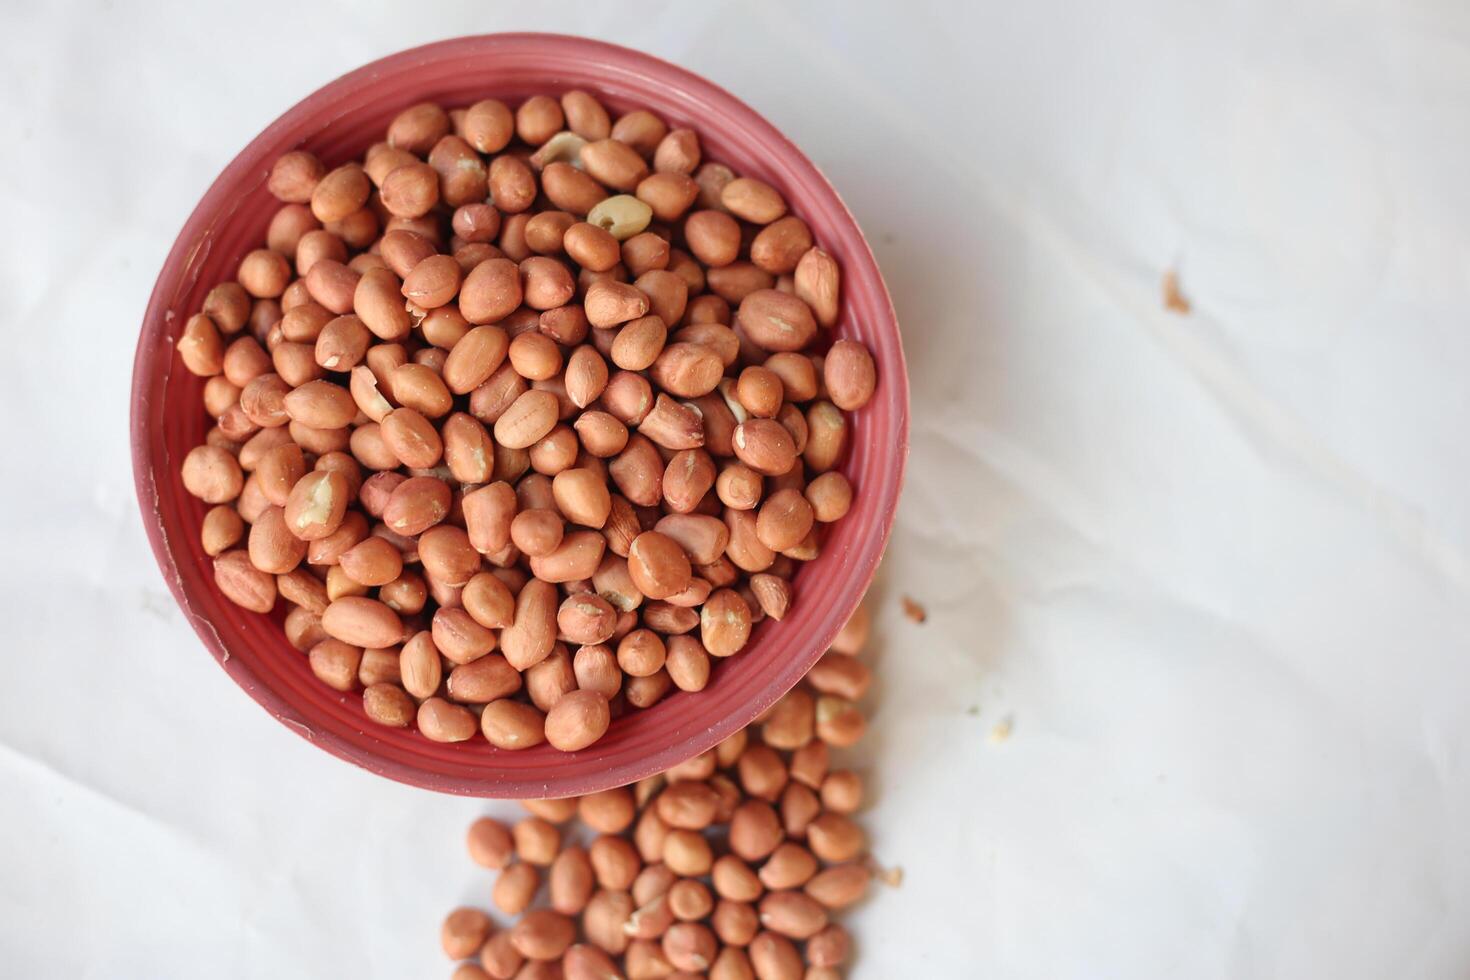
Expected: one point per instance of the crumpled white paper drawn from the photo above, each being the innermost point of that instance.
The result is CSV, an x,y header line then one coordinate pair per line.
x,y
1210,569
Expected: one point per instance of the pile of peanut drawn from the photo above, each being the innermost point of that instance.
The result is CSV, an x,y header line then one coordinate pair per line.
x,y
729,866
529,414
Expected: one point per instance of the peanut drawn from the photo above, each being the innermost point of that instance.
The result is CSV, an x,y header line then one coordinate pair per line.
x,y
339,193
243,583
538,118
753,200
440,721
585,115
641,130
776,321
490,843
659,566
779,246
569,189
678,152
614,163
387,705
362,622
515,888
464,932
212,474
713,237
792,914
849,375
577,720
668,195
765,446
512,725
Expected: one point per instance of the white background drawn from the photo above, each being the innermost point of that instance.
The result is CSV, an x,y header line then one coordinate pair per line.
x,y
1213,568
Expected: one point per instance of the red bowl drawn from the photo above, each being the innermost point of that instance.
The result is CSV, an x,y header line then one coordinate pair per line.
x,y
338,122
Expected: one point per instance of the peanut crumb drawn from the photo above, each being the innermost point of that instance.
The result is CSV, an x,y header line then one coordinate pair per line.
x,y
1000,732
914,610
1174,300
892,877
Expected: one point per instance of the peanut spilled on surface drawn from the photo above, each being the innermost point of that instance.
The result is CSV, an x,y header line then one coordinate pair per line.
x,y
734,865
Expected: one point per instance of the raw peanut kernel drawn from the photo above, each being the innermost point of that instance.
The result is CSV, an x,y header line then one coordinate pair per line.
x,y
577,720
753,200
817,284
658,565
849,375
776,321
765,446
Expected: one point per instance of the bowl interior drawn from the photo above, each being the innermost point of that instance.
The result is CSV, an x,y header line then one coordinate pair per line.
x,y
338,122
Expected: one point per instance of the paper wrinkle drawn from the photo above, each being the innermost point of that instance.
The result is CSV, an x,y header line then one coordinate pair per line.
x,y
17,758
1279,438
1131,284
